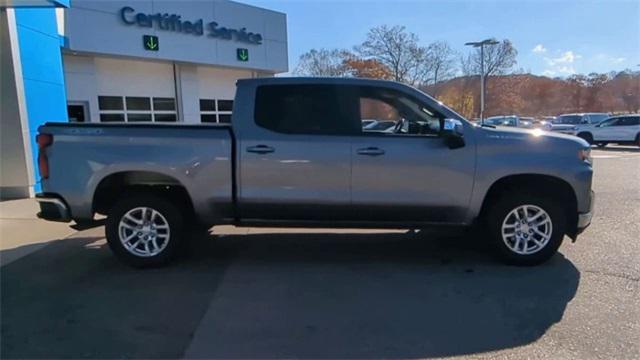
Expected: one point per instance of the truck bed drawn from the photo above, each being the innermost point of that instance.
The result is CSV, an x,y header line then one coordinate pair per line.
x,y
197,157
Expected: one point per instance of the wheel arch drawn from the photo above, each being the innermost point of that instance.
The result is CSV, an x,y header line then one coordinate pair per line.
x,y
113,186
540,184
584,134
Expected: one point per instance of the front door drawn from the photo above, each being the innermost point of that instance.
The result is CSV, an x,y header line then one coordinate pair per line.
x,y
406,173
295,161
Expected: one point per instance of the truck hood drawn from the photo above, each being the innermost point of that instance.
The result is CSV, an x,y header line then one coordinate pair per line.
x,y
527,137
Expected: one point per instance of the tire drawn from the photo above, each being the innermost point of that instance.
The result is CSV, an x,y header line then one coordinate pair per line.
x,y
586,137
161,230
502,213
602,144
638,140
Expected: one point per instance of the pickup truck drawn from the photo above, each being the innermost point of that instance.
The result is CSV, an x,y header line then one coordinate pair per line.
x,y
296,155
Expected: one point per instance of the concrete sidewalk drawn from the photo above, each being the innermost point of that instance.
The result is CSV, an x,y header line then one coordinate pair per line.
x,y
22,233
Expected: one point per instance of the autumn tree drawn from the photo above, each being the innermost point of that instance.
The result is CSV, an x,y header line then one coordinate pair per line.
x,y
323,62
396,49
367,68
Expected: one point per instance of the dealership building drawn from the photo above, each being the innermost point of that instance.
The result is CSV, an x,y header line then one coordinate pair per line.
x,y
124,61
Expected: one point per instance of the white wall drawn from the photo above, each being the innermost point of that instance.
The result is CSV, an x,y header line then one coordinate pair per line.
x,y
87,77
80,81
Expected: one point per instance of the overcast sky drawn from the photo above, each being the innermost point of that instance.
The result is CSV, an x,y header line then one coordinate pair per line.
x,y
553,38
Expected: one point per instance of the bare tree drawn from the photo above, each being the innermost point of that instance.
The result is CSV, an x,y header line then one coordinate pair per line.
x,y
396,49
441,60
324,62
498,59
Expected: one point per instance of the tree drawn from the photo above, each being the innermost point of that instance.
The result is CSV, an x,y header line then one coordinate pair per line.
x,y
396,49
499,59
441,58
323,62
369,68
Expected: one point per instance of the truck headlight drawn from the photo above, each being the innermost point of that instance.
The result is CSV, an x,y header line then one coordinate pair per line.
x,y
585,155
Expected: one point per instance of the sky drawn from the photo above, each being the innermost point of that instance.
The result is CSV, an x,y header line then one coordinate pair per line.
x,y
553,38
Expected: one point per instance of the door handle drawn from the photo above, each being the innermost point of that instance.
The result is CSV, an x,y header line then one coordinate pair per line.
x,y
371,151
260,149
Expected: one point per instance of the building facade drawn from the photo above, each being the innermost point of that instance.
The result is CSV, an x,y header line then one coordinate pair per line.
x,y
127,61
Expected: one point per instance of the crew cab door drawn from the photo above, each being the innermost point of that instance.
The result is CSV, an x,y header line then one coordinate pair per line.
x,y
408,173
295,154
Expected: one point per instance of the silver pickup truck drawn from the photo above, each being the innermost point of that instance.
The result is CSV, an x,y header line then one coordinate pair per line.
x,y
296,154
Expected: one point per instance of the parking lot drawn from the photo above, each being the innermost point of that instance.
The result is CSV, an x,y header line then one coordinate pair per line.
x,y
292,293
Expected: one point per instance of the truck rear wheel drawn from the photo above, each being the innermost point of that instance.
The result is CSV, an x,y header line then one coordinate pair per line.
x,y
144,230
526,229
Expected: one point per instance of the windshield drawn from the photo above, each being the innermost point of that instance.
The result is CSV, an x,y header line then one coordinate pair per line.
x,y
502,121
568,119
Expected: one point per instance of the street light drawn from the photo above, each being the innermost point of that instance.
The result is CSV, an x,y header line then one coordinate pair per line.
x,y
481,45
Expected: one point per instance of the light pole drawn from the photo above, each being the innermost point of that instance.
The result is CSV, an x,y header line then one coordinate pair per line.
x,y
481,45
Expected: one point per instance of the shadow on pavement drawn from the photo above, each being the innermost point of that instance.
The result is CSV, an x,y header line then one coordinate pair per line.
x,y
284,295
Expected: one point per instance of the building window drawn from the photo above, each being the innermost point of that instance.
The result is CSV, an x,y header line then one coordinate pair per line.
x,y
137,109
215,111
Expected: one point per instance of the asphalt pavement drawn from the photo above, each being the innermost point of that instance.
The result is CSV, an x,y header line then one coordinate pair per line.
x,y
292,293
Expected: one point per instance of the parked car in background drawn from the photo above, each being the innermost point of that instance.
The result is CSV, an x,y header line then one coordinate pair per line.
x,y
541,124
567,123
367,122
510,121
379,125
623,129
526,122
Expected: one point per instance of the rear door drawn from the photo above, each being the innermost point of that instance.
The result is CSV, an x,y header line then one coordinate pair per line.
x,y
605,131
627,128
407,173
295,155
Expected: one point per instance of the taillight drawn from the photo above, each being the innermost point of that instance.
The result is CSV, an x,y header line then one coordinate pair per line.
x,y
43,140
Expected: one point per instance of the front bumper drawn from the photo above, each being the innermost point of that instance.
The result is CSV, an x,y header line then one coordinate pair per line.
x,y
53,208
584,219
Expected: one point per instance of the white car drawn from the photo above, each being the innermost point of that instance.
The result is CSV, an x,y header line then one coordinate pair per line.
x,y
568,123
622,129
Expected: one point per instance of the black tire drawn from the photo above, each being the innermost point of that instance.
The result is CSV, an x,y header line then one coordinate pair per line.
x,y
586,137
638,140
169,213
602,144
509,201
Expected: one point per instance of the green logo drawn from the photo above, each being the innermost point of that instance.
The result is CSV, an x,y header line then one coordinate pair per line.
x,y
243,54
150,42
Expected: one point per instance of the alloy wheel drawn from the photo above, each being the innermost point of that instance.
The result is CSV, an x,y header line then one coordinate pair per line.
x,y
527,229
144,231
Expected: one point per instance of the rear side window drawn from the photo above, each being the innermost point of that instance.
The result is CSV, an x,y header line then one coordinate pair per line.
x,y
306,109
629,121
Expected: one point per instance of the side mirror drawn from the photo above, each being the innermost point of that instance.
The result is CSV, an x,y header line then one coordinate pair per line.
x,y
453,133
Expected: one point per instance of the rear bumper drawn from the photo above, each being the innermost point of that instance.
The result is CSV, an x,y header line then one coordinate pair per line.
x,y
584,219
53,208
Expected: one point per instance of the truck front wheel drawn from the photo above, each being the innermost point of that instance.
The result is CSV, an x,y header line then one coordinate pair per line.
x,y
144,230
526,229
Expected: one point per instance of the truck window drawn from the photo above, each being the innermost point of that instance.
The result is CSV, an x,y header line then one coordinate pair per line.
x,y
395,113
305,109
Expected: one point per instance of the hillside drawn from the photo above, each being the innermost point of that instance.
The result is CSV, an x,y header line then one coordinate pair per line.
x,y
531,95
